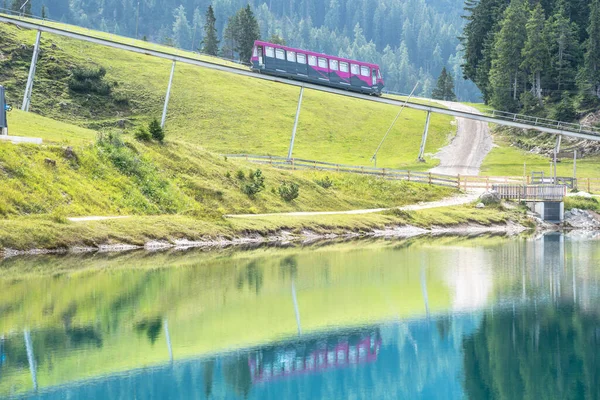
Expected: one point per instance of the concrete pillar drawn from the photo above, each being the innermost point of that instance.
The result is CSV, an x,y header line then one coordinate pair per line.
x,y
30,358
291,150
556,151
164,114
29,86
424,138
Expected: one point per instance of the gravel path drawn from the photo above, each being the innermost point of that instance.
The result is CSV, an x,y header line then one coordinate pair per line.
x,y
94,218
469,147
450,201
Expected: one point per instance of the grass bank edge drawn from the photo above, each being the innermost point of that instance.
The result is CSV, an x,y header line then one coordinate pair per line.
x,y
29,233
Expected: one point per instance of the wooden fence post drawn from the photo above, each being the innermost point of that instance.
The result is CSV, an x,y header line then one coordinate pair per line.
x,y
487,183
409,176
458,176
430,178
588,179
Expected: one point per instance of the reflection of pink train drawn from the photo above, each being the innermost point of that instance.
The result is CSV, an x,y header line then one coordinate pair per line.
x,y
313,355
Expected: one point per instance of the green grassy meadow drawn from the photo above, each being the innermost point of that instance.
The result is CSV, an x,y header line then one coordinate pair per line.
x,y
221,112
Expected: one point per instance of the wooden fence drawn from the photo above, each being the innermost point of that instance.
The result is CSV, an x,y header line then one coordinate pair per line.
x,y
462,182
387,173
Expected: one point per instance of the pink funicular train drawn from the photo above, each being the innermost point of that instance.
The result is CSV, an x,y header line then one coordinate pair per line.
x,y
357,76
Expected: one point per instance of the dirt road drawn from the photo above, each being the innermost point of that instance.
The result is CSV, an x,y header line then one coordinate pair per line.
x,y
469,147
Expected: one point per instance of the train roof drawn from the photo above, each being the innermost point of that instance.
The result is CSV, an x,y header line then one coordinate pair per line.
x,y
314,53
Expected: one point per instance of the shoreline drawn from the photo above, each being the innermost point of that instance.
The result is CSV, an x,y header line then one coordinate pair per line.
x,y
281,237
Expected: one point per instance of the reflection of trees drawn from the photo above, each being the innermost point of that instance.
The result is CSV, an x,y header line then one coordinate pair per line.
x,y
208,375
152,328
236,372
289,267
548,354
252,275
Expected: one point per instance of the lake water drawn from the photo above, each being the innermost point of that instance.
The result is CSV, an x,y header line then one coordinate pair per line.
x,y
428,318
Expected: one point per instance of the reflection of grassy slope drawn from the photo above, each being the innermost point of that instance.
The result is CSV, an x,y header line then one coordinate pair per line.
x,y
212,306
220,111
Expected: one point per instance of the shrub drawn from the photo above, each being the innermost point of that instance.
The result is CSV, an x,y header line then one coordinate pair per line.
x,y
256,183
289,191
228,175
142,134
89,80
325,183
156,130
240,175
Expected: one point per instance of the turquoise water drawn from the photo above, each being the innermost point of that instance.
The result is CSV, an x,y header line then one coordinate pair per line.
x,y
430,318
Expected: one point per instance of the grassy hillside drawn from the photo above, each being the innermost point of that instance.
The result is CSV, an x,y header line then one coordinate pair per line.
x,y
219,111
116,175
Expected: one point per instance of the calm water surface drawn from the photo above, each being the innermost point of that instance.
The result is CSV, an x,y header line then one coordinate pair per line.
x,y
430,318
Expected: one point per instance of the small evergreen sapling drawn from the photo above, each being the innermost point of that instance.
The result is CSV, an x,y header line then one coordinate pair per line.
x,y
156,131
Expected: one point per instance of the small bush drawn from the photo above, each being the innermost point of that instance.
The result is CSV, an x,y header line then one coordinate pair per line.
x,y
228,175
256,183
142,134
325,183
89,80
156,131
240,175
289,191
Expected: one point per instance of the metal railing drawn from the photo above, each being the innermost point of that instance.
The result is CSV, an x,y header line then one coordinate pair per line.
x,y
544,122
531,192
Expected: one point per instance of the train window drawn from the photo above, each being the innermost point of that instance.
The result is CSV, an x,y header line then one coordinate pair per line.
x,y
344,66
280,54
322,62
379,74
312,61
254,52
354,69
364,71
333,65
269,51
291,56
301,58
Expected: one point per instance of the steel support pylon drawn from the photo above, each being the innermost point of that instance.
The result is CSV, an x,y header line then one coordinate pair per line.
x,y
291,150
424,138
32,67
164,114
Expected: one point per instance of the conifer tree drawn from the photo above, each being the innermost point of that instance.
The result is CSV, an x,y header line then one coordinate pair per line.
x,y
210,44
590,73
444,89
44,12
535,52
505,73
563,47
248,31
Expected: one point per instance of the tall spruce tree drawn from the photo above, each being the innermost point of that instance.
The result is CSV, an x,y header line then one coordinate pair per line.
x,y
444,89
590,73
210,44
248,31
483,22
535,51
230,35
505,74
564,49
